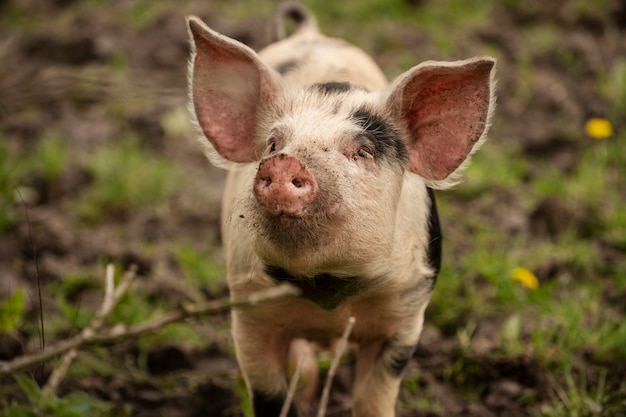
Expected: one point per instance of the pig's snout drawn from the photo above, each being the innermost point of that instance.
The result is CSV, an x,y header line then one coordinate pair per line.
x,y
284,186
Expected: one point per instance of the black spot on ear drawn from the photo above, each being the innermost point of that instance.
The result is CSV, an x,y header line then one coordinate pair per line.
x,y
384,137
434,237
332,87
287,66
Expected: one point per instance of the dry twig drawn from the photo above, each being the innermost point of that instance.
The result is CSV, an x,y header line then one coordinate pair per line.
x,y
112,295
341,347
292,388
121,332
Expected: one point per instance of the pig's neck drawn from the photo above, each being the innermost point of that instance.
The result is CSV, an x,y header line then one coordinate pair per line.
x,y
325,290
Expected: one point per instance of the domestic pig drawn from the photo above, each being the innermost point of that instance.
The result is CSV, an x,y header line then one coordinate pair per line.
x,y
331,172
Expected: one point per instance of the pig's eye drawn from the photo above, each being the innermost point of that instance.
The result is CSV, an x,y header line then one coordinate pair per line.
x,y
364,153
271,145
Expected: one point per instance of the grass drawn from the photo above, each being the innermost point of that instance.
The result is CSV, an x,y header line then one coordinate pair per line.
x,y
48,159
12,311
8,169
199,268
575,396
568,316
125,178
347,19
613,86
415,394
77,404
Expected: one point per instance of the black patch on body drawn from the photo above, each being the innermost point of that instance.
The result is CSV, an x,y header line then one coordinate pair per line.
x,y
287,66
400,356
270,406
381,136
333,87
325,290
434,237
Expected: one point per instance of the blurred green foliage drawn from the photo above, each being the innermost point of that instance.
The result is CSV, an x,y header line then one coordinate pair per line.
x,y
125,178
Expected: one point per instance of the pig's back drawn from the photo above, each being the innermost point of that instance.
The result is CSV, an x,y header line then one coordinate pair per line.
x,y
311,58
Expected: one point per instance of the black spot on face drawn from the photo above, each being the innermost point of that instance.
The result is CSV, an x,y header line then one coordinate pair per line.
x,y
325,290
380,136
332,87
287,66
434,237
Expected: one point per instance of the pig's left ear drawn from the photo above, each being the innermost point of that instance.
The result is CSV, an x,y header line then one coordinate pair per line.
x,y
229,87
445,108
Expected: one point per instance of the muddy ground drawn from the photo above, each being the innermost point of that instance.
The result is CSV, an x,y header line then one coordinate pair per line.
x,y
90,74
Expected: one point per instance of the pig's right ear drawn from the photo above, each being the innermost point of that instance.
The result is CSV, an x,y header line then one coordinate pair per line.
x,y
229,86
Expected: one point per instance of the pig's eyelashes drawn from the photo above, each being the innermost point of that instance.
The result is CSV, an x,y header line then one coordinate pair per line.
x,y
271,145
364,153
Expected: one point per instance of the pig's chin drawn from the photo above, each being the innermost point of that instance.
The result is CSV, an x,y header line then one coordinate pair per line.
x,y
297,233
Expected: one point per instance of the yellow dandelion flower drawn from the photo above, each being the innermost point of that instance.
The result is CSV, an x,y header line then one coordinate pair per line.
x,y
598,128
526,278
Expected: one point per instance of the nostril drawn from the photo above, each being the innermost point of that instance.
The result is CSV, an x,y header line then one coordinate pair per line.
x,y
297,183
267,181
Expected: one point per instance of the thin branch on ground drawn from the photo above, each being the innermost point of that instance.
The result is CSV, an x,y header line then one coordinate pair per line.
x,y
59,372
122,332
341,347
112,295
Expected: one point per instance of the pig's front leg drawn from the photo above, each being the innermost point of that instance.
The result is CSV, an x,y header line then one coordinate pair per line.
x,y
262,353
379,368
